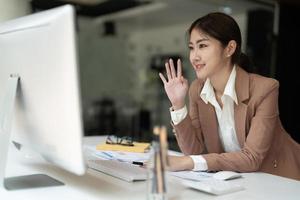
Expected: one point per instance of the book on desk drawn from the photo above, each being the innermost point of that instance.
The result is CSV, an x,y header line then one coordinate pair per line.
x,y
138,147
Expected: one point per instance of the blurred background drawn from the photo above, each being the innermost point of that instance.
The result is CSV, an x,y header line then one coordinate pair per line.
x,y
123,44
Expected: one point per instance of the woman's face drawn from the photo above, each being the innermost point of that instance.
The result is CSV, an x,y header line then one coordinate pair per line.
x,y
207,55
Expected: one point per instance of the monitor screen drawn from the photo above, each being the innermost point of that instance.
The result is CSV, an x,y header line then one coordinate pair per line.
x,y
41,49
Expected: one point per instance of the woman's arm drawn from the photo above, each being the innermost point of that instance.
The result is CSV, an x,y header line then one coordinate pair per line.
x,y
188,132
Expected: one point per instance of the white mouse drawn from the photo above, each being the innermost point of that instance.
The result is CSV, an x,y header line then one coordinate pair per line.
x,y
226,175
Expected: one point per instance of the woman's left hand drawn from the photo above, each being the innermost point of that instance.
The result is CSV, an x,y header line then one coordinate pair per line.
x,y
179,163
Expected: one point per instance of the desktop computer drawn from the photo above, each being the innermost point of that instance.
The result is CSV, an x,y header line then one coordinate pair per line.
x,y
41,107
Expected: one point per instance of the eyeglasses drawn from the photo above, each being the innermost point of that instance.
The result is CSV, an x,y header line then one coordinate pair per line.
x,y
125,140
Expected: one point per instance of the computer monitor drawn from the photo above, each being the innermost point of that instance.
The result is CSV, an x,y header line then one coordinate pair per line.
x,y
38,57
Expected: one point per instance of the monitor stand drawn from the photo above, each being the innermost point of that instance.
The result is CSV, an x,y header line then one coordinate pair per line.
x,y
6,117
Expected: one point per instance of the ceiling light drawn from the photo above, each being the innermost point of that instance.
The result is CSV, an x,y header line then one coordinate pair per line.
x,y
226,9
86,2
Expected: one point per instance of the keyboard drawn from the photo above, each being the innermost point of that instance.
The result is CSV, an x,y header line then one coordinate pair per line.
x,y
122,170
213,186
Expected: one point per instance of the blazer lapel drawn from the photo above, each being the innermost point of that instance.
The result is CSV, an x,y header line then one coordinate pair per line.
x,y
240,110
209,126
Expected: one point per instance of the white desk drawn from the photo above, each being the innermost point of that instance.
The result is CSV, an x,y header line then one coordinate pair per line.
x,y
95,185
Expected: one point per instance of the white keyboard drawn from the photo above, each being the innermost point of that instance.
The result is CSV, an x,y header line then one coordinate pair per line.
x,y
121,170
214,186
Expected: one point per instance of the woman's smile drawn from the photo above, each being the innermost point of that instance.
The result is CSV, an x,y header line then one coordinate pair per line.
x,y
198,66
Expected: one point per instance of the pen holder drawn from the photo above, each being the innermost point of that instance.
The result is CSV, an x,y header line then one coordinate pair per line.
x,y
156,181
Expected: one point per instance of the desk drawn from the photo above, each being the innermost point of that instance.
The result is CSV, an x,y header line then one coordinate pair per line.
x,y
95,185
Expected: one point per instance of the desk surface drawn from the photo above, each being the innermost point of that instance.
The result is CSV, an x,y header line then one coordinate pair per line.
x,y
96,185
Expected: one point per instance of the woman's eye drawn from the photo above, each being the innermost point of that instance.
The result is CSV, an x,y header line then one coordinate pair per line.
x,y
202,46
191,48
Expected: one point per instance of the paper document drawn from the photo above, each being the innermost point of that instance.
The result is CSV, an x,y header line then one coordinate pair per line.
x,y
192,175
123,156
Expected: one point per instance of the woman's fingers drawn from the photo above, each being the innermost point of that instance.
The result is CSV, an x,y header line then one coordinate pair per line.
x,y
183,80
162,78
168,71
179,68
173,71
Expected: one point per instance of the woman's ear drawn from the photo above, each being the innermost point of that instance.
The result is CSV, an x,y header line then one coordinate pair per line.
x,y
230,48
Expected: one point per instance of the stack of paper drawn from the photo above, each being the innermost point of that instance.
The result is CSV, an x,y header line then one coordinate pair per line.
x,y
138,147
192,175
122,156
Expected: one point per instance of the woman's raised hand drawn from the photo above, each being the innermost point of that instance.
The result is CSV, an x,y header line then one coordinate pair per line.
x,y
176,86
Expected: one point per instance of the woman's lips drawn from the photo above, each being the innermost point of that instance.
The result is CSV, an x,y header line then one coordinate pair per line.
x,y
199,66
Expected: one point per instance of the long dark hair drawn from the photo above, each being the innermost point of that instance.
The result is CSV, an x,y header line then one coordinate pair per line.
x,y
223,28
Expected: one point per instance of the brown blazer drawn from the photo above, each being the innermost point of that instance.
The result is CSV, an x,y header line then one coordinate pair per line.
x,y
266,146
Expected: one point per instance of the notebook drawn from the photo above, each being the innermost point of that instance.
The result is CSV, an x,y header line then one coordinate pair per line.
x,y
122,170
138,147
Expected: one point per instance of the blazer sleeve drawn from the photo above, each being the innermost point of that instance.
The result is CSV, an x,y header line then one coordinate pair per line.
x,y
259,138
188,131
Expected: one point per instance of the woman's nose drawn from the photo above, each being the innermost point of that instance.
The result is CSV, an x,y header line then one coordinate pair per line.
x,y
196,56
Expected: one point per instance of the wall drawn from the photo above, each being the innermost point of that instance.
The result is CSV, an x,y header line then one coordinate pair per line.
x,y
10,9
166,40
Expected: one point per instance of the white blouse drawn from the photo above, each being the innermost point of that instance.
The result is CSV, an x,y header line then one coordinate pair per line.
x,y
225,117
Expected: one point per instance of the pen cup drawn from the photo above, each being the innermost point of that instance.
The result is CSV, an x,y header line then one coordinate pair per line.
x,y
156,182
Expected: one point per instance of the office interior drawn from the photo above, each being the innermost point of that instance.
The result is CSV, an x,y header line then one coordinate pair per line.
x,y
123,44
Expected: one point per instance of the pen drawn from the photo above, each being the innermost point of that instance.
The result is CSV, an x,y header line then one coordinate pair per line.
x,y
107,154
137,163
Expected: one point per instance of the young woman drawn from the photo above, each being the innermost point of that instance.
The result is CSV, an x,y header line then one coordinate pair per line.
x,y
233,119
